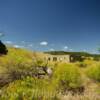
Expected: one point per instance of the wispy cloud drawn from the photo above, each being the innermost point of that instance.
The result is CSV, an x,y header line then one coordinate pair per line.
x,y
18,46
30,45
52,49
84,50
65,47
70,49
8,42
44,43
1,34
23,42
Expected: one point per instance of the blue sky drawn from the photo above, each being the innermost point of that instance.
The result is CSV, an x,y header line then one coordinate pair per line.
x,y
51,24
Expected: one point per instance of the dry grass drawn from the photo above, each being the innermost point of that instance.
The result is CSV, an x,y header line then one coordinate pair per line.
x,y
29,59
90,93
85,96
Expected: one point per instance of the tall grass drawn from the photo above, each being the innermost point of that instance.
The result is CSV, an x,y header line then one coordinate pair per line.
x,y
68,77
29,89
19,70
93,72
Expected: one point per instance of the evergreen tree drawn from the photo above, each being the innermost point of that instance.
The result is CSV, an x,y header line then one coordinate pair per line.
x,y
3,49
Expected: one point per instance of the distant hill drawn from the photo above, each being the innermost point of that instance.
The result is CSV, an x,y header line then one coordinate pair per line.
x,y
69,53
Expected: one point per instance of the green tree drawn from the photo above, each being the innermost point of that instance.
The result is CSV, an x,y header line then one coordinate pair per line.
x,y
3,49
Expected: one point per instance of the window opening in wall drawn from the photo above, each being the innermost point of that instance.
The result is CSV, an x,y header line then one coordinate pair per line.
x,y
54,58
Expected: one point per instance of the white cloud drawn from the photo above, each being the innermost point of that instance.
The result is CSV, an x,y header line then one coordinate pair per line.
x,y
44,43
85,50
1,34
30,45
8,42
65,47
52,49
70,49
23,42
17,46
94,52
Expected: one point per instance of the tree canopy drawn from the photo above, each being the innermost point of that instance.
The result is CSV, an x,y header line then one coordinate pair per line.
x,y
3,49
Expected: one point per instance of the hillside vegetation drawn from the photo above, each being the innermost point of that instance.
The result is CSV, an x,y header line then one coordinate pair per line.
x,y
24,76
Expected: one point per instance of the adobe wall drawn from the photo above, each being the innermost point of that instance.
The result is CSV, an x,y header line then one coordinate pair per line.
x,y
57,58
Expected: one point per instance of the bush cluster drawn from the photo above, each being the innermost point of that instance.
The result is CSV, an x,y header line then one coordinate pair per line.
x,y
67,77
93,72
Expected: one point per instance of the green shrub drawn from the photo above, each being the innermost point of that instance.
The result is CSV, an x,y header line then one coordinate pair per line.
x,y
93,72
67,77
18,64
29,89
81,64
18,70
